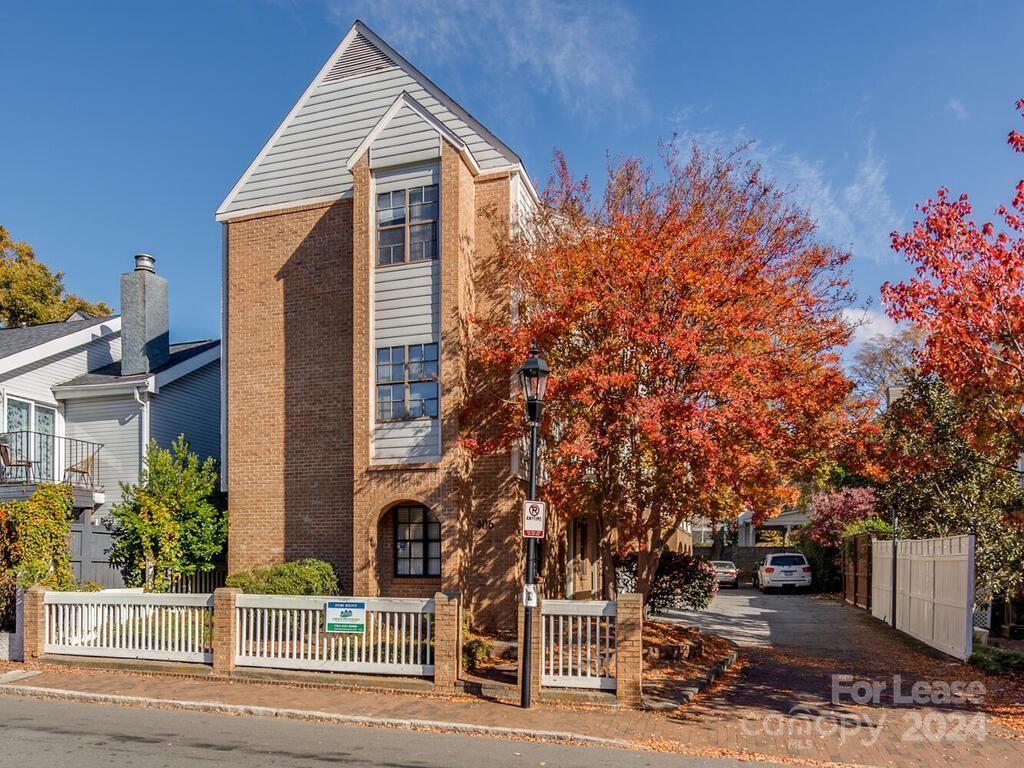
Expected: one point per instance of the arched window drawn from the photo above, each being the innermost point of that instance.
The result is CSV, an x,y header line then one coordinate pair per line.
x,y
417,542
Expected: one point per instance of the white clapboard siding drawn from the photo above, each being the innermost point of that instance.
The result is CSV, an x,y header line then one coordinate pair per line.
x,y
934,590
406,310
408,138
578,644
129,625
288,633
35,380
307,158
115,422
190,406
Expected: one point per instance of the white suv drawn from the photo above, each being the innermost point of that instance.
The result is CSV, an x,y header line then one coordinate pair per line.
x,y
789,570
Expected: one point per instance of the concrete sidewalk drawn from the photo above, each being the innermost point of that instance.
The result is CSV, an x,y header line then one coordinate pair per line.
x,y
865,737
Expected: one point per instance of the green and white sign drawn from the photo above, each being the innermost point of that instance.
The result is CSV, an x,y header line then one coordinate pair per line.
x,y
347,616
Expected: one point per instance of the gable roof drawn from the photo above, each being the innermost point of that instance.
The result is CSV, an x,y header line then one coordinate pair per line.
x,y
23,345
187,355
305,160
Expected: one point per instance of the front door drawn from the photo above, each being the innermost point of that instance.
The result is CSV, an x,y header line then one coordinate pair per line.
x,y
582,567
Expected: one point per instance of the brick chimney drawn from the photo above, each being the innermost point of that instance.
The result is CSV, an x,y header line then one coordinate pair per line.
x,y
144,337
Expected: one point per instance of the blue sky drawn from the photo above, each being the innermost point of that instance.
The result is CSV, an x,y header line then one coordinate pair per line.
x,y
125,124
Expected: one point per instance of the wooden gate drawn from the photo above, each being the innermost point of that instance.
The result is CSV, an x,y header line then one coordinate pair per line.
x,y
90,554
857,570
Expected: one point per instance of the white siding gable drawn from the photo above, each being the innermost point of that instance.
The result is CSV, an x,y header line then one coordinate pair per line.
x,y
408,138
305,160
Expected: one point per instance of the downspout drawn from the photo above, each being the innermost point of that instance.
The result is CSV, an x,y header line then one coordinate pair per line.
x,y
144,417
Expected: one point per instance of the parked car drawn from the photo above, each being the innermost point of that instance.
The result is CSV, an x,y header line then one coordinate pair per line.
x,y
726,573
786,571
755,573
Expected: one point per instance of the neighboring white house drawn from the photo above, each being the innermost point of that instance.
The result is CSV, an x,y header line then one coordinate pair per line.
x,y
746,531
82,397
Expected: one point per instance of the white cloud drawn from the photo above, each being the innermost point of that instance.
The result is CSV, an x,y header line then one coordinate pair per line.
x,y
868,323
855,214
957,108
581,53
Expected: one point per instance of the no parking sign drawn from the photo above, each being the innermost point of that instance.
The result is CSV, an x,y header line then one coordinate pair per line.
x,y
534,515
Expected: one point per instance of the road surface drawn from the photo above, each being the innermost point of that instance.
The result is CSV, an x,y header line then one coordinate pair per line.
x,y
53,734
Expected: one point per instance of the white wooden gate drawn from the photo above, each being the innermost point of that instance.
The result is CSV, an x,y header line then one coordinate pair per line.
x,y
578,644
283,632
934,590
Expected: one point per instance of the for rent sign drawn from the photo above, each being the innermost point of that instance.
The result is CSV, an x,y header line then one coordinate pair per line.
x,y
534,515
345,616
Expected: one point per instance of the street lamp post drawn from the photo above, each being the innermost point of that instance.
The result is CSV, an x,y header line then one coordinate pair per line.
x,y
533,380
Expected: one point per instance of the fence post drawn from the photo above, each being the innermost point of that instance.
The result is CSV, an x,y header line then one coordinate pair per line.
x,y
34,636
224,627
447,641
629,649
536,666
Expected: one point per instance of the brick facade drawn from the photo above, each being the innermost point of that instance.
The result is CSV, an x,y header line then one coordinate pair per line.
x,y
300,399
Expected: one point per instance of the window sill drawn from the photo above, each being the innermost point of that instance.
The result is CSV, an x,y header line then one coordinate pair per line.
x,y
390,465
431,579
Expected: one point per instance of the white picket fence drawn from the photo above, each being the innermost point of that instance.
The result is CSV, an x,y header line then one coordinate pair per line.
x,y
934,590
578,644
288,633
129,625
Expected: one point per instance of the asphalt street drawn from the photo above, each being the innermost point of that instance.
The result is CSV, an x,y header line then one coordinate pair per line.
x,y
56,734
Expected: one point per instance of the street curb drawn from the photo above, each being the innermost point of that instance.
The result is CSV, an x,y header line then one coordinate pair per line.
x,y
309,715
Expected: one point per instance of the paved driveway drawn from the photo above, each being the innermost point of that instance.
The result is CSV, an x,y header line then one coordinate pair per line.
x,y
783,620
794,647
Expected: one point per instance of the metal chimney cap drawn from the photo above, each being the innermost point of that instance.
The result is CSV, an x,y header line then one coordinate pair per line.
x,y
145,263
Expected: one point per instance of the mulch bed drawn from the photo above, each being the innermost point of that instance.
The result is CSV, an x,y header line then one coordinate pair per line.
x,y
667,678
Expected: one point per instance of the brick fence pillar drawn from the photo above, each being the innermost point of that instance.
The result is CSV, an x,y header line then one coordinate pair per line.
x,y
35,623
447,641
224,641
536,668
629,649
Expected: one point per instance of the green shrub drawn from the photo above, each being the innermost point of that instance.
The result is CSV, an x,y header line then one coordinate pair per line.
x,y
870,525
682,582
474,651
172,523
825,562
996,661
302,577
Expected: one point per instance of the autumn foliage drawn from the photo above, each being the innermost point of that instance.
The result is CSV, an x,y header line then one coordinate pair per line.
x,y
691,320
968,296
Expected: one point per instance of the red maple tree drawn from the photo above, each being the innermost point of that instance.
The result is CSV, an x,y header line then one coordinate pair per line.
x,y
968,297
691,322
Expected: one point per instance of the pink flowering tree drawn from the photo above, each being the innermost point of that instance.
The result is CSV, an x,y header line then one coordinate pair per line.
x,y
832,513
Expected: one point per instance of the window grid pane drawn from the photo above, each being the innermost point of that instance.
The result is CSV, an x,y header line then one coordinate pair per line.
x,y
407,225
417,542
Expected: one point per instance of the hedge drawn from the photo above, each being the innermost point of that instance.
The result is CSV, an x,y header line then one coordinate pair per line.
x,y
302,577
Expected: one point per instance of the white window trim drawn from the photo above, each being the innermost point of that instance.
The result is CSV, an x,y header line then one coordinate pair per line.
x,y
58,422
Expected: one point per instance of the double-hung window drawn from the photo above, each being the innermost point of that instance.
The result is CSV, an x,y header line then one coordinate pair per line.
x,y
407,382
407,225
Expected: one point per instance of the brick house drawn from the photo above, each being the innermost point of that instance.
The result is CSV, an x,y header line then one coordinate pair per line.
x,y
355,247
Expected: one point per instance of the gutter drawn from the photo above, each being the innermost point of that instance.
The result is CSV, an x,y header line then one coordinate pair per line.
x,y
144,416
